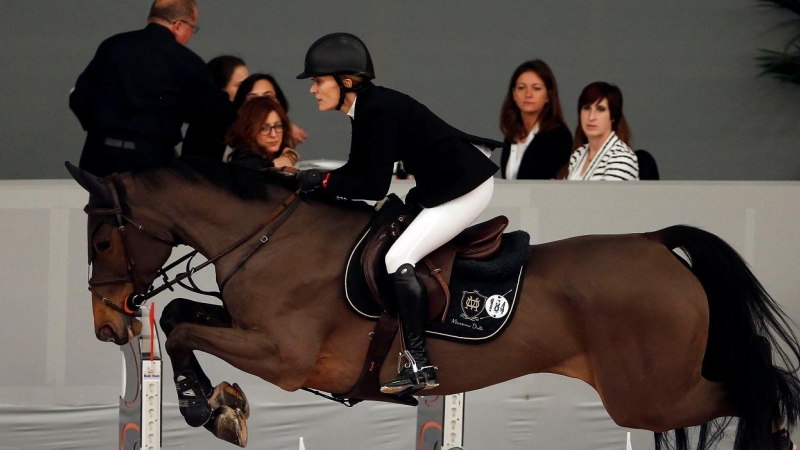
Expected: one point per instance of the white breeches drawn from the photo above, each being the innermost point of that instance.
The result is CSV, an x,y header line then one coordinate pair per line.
x,y
434,227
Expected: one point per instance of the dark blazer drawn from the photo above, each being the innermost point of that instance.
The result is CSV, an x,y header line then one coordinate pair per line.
x,y
205,137
390,126
141,86
547,153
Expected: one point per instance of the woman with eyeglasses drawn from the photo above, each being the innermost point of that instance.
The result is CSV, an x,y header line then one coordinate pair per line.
x,y
261,85
259,137
452,171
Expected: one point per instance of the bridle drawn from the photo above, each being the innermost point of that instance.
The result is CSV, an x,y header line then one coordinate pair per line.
x,y
143,288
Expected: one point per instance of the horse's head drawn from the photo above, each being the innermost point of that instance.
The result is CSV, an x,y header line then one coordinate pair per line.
x,y
125,257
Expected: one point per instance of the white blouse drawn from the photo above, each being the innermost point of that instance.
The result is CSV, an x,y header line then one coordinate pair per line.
x,y
614,161
517,152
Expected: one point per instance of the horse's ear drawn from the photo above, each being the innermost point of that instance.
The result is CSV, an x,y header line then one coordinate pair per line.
x,y
92,183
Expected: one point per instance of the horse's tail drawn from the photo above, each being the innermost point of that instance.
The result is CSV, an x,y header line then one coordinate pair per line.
x,y
746,327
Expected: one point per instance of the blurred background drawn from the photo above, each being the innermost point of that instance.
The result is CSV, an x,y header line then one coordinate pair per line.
x,y
687,70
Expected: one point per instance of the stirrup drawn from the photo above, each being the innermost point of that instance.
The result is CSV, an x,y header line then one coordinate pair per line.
x,y
411,378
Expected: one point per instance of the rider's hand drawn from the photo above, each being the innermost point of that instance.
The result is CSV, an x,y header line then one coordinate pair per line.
x,y
309,180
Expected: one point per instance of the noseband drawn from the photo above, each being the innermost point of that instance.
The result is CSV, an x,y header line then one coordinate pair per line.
x,y
141,293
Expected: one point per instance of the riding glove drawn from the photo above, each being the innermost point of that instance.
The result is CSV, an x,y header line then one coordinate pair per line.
x,y
309,180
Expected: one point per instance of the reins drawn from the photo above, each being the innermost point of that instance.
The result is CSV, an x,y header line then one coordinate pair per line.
x,y
288,205
266,228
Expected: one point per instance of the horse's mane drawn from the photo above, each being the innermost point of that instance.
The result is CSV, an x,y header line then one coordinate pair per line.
x,y
244,183
247,184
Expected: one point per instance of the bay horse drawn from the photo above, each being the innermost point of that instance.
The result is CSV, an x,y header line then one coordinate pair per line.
x,y
668,342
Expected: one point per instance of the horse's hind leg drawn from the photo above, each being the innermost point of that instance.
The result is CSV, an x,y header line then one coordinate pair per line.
x,y
223,410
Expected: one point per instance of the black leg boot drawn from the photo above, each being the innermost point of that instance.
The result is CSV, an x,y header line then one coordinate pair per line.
x,y
412,310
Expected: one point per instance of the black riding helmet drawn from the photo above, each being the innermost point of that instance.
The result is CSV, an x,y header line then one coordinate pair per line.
x,y
339,54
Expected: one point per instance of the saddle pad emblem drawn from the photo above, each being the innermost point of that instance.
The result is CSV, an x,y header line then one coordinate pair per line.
x,y
474,305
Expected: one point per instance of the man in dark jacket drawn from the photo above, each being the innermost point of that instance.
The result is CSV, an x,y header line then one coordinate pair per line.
x,y
139,89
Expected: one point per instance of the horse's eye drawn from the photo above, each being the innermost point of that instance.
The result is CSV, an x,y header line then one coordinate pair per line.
x,y
102,246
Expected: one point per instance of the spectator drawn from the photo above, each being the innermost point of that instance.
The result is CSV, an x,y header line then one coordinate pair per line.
x,y
139,89
602,137
537,141
259,136
206,138
264,84
452,170
228,73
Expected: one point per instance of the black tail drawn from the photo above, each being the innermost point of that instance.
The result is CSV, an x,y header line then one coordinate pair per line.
x,y
746,327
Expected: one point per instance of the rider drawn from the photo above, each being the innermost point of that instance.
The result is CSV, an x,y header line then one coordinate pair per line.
x,y
452,171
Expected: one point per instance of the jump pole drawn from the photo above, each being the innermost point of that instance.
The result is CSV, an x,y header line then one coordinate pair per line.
x,y
140,402
440,422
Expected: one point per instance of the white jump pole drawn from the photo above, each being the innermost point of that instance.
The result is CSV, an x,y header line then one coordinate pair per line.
x,y
140,402
440,422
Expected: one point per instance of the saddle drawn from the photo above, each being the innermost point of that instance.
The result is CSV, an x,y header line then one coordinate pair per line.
x,y
477,242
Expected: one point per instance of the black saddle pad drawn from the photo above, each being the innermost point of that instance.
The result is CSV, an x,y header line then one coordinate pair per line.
x,y
484,294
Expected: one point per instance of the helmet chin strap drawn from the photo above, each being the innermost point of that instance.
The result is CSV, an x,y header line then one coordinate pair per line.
x,y
343,90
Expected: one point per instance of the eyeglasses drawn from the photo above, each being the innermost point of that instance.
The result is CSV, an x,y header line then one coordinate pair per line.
x,y
266,129
195,28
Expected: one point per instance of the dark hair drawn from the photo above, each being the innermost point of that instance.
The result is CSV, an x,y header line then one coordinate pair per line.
x,y
242,135
551,116
247,86
594,93
222,68
172,10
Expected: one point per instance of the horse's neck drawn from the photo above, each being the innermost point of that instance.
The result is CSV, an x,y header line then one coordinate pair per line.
x,y
202,216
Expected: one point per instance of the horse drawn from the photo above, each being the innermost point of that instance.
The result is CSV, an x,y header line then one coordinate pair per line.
x,y
669,341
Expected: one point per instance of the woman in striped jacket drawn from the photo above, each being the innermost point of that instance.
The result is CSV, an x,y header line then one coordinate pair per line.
x,y
600,150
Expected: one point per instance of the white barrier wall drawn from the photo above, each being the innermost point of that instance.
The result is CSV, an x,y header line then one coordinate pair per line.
x,y
59,386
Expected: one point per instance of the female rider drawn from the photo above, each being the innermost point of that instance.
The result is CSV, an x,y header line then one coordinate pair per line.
x,y
452,171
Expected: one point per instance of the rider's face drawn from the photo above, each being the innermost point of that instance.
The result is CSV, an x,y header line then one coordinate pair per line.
x,y
326,91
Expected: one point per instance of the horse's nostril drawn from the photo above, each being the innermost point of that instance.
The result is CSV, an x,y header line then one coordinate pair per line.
x,y
105,334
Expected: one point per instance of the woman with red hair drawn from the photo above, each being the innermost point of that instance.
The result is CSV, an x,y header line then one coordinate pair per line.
x,y
260,136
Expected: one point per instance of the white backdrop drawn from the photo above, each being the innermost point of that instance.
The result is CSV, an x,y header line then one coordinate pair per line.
x,y
59,386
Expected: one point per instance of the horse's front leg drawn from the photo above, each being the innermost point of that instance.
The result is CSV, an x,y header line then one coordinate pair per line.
x,y
222,410
280,357
283,358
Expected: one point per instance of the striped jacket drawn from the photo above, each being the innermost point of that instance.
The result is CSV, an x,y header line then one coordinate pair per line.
x,y
614,161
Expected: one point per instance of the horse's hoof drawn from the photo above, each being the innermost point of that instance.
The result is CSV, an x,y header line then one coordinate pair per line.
x,y
229,425
233,396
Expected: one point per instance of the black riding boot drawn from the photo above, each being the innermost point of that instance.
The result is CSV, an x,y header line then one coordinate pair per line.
x,y
412,310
